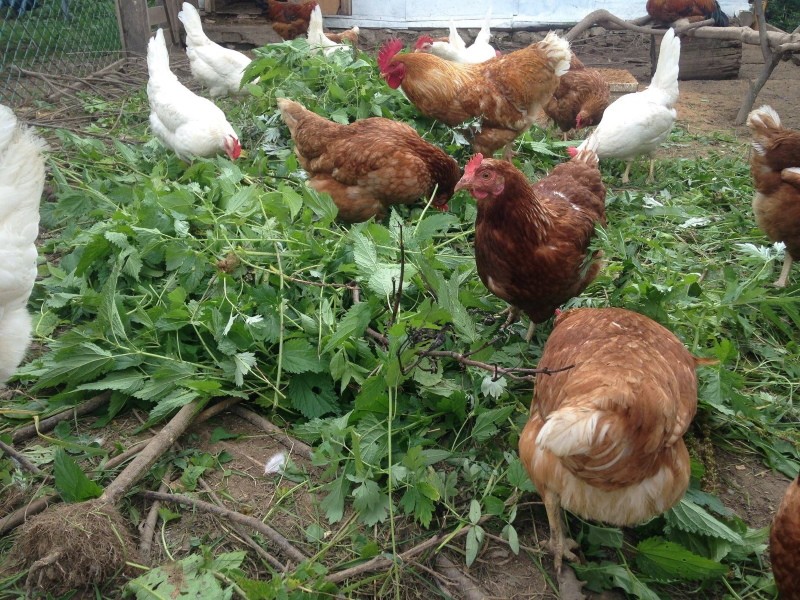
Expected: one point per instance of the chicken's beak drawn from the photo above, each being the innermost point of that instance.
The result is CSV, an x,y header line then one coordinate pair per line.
x,y
463,184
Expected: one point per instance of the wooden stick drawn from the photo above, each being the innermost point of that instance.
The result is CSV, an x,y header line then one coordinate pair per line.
x,y
24,463
149,529
48,424
291,444
18,517
234,516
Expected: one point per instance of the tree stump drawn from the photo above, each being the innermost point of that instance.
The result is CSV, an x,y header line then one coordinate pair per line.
x,y
704,58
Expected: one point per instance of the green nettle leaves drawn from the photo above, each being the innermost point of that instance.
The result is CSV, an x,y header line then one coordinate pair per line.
x,y
169,283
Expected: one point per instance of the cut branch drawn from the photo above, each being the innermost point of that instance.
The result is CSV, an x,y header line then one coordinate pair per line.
x,y
48,424
23,462
517,373
290,443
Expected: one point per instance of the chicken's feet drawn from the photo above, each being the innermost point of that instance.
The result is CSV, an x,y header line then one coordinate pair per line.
x,y
625,178
650,177
787,267
560,546
530,332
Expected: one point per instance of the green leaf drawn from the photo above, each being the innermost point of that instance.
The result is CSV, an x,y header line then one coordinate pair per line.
x,y
244,361
666,561
486,422
371,503
353,324
606,576
688,516
299,356
72,484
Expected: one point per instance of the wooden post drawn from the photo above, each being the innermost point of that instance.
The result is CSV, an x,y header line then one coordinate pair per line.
x,y
135,25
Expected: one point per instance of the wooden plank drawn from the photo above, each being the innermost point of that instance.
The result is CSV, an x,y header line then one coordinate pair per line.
x,y
346,7
156,16
135,25
704,58
172,8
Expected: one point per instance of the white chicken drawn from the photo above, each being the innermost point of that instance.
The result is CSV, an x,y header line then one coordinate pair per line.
x,y
317,38
456,50
219,69
182,120
636,124
21,183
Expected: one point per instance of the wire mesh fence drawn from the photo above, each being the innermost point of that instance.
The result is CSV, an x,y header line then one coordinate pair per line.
x,y
45,39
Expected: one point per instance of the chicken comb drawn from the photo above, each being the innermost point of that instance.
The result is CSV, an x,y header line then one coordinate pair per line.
x,y
473,165
422,40
387,53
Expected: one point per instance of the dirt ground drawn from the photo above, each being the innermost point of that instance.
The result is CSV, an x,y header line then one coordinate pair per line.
x,y
744,483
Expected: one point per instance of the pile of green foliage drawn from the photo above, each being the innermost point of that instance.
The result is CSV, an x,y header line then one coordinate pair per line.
x,y
169,283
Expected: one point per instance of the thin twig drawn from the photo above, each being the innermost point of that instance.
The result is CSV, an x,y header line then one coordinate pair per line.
x,y
398,296
240,530
234,516
23,462
149,526
19,516
291,444
48,424
511,372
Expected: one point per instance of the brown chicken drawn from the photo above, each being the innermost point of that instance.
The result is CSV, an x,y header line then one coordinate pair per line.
x,y
532,241
580,99
775,166
506,92
349,36
669,11
368,165
784,544
604,437
289,20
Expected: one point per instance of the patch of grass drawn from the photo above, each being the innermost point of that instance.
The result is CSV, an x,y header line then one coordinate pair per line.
x,y
172,283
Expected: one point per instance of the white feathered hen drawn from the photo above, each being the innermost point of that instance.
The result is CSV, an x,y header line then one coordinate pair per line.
x,y
219,69
182,120
456,50
636,124
21,183
317,37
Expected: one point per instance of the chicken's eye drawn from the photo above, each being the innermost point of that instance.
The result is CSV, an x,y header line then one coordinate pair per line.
x,y
485,175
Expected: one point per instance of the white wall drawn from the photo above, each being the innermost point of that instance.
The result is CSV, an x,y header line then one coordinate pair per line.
x,y
506,14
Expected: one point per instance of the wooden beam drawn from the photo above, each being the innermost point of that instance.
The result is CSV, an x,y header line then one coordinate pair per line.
x,y
172,8
135,25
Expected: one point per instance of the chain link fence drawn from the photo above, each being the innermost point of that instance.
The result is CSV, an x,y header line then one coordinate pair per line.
x,y
48,41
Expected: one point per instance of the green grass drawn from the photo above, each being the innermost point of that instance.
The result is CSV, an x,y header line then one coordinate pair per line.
x,y
133,300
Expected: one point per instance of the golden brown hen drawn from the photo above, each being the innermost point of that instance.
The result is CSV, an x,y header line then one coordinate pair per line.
x,y
784,544
775,166
290,20
368,165
669,11
506,92
532,241
580,99
604,437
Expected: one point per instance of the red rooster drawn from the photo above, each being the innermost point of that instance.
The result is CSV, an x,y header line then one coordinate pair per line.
x,y
506,92
669,11
532,241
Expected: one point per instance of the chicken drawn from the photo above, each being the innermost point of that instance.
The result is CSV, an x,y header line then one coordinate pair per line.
x,y
506,92
289,20
21,184
636,124
784,541
182,120
775,166
669,11
320,40
604,436
219,69
532,241
580,99
368,165
348,36
456,50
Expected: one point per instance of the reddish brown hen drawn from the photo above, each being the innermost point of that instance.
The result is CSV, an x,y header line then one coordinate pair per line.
x,y
506,92
580,99
368,165
604,437
532,241
290,20
784,544
775,166
669,11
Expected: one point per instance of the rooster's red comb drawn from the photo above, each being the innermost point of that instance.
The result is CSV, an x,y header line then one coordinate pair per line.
x,y
473,165
387,52
422,40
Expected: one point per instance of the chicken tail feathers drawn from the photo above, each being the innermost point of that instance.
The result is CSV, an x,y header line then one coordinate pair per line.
x,y
455,38
157,56
195,36
666,76
291,112
485,34
762,122
587,151
720,18
569,431
557,51
315,33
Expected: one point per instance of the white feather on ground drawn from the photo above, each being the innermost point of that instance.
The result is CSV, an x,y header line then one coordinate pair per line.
x,y
219,69
182,120
21,184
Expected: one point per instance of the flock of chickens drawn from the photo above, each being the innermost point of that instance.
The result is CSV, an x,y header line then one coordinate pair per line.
x,y
604,438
